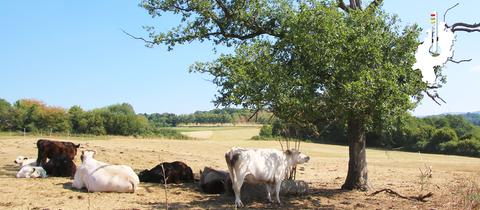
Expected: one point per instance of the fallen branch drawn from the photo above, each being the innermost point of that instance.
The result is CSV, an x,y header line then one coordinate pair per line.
x,y
415,198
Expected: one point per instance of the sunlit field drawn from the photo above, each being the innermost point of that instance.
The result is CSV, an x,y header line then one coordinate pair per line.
x,y
454,180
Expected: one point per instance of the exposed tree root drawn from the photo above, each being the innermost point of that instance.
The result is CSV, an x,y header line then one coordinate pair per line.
x,y
415,198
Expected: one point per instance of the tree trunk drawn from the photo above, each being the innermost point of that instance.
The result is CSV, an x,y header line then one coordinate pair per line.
x,y
357,177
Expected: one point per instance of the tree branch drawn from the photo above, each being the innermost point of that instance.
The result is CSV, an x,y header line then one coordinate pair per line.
x,y
270,118
444,14
434,97
255,113
224,9
359,4
252,24
139,38
460,61
375,3
353,4
182,9
466,30
242,37
342,6
207,35
465,27
460,24
221,23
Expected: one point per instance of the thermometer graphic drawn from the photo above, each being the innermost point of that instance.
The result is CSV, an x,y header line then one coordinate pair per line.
x,y
434,48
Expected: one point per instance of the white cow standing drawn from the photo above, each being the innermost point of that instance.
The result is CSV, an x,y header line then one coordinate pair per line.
x,y
98,176
269,166
23,161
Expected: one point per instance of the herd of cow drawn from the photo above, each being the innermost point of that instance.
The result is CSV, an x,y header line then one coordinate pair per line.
x,y
266,166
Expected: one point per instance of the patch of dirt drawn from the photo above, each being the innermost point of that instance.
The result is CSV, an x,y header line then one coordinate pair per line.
x,y
198,134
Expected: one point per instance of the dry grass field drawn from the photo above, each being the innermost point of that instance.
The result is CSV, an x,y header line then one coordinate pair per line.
x,y
454,182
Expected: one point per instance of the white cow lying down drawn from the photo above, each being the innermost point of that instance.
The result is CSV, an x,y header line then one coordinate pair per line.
x,y
31,172
98,176
269,166
23,161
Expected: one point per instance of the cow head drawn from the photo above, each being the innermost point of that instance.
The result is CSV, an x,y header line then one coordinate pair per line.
x,y
144,176
35,173
19,160
87,154
297,156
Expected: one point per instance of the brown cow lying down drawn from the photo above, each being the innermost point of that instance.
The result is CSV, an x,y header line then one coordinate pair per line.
x,y
175,172
215,181
61,166
51,149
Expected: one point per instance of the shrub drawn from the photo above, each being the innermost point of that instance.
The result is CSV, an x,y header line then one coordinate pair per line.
x,y
440,136
266,131
469,147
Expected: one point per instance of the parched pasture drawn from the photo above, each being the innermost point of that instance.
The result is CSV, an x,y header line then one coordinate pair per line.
x,y
454,181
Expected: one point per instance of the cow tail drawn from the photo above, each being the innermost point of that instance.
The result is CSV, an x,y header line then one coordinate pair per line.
x,y
229,158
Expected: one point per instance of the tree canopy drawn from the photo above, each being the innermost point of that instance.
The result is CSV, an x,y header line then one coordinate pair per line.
x,y
305,61
296,58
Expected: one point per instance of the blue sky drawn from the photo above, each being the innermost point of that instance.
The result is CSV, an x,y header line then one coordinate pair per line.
x,y
69,53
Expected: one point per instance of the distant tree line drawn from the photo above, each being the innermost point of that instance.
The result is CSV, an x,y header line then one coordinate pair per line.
x,y
35,116
215,116
445,134
473,117
118,119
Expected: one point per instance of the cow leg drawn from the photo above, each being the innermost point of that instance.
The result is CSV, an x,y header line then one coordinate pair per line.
x,y
40,159
237,183
269,192
277,190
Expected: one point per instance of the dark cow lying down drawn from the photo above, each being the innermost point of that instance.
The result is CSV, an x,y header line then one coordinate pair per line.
x,y
218,182
175,172
61,166
215,181
52,149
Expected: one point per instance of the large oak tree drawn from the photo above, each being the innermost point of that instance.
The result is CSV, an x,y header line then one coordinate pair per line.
x,y
306,61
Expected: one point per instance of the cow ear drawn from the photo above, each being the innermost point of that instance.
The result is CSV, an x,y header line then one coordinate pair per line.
x,y
288,152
